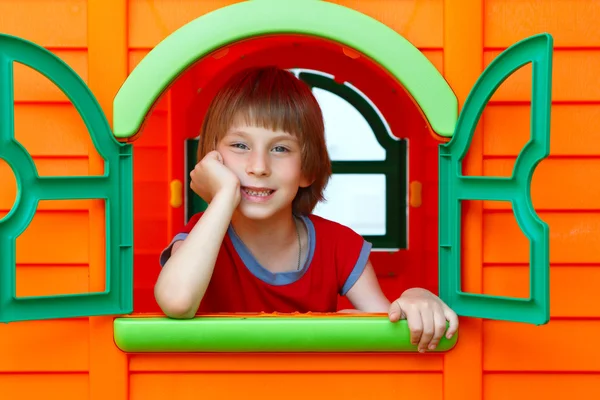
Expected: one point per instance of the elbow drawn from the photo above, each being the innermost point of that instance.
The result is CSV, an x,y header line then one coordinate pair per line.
x,y
176,306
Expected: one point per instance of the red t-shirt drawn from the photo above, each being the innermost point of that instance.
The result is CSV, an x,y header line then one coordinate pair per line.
x,y
336,258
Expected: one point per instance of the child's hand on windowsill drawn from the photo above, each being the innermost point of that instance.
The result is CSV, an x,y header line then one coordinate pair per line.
x,y
426,315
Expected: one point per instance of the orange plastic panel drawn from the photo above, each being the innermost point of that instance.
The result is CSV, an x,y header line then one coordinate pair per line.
x,y
572,23
30,85
574,238
45,386
436,57
55,237
8,194
49,23
135,56
420,22
297,362
51,129
574,129
557,346
557,183
52,346
107,41
573,75
573,290
57,166
541,386
276,386
46,280
151,22
506,280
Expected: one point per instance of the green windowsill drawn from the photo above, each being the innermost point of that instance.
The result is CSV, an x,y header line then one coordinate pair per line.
x,y
266,334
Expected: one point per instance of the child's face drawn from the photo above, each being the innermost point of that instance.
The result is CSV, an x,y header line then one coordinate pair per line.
x,y
268,165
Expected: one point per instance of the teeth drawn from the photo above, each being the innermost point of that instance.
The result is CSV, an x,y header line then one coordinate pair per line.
x,y
255,193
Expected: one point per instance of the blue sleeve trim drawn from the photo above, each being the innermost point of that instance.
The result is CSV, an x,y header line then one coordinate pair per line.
x,y
359,267
166,253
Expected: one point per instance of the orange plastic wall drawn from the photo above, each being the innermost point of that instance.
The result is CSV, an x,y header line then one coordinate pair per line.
x,y
62,250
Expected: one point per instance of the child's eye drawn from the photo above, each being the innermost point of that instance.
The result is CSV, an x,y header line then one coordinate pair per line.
x,y
239,146
280,149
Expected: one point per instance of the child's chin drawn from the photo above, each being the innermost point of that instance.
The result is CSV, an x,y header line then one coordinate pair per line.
x,y
256,211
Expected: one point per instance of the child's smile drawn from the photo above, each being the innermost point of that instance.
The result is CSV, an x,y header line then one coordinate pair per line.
x,y
257,194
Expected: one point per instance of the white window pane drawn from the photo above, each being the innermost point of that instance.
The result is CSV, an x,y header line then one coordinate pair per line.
x,y
349,137
357,201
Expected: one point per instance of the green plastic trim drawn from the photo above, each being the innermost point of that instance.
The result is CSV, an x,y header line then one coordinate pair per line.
x,y
115,187
244,20
455,187
266,334
394,167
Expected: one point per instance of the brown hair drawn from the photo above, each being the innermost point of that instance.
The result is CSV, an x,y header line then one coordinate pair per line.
x,y
273,98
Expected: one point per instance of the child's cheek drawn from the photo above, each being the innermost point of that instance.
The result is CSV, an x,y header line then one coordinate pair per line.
x,y
234,164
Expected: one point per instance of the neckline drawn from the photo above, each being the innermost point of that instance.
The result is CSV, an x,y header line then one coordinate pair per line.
x,y
260,272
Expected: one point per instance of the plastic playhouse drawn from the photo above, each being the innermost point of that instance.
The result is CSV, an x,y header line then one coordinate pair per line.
x,y
472,129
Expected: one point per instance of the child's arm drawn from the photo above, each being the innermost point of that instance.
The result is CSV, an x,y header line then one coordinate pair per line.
x,y
183,280
366,294
425,313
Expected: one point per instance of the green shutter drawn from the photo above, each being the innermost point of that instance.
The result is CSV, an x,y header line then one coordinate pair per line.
x,y
115,187
455,188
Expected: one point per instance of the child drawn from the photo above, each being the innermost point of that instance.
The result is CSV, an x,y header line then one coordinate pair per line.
x,y
257,247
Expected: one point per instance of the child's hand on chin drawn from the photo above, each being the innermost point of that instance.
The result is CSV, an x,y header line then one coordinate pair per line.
x,y
426,315
211,177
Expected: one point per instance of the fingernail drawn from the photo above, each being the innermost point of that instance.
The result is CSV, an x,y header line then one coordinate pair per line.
x,y
432,347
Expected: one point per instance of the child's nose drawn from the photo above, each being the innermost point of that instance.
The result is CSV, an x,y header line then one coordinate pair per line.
x,y
258,164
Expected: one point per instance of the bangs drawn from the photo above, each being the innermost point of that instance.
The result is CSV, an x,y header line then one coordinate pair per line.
x,y
279,117
269,98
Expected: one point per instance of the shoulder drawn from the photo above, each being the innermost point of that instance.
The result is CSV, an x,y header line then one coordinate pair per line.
x,y
336,237
334,230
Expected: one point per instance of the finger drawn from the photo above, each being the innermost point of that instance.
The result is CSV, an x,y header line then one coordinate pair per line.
x,y
395,312
215,155
415,325
428,328
452,318
195,172
439,321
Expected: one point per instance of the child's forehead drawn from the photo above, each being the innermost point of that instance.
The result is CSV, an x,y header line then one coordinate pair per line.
x,y
255,130
247,123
